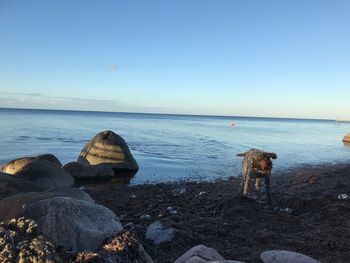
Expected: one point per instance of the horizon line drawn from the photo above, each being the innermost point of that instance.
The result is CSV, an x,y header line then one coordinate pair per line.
x,y
172,114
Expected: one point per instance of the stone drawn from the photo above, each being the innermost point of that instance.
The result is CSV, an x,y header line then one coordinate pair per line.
x,y
44,174
17,165
12,206
159,233
108,150
21,242
73,224
10,185
79,171
284,256
198,253
347,138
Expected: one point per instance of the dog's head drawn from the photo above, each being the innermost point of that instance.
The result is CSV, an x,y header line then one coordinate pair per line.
x,y
264,164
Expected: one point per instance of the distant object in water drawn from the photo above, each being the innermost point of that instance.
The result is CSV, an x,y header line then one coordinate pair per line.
x,y
347,138
232,124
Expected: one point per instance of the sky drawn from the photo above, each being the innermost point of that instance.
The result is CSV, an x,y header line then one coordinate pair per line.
x,y
287,58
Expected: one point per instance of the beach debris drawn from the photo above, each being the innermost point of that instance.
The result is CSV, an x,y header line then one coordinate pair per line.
x,y
146,216
133,196
284,256
201,193
161,215
20,241
159,233
200,253
286,210
179,191
171,210
343,196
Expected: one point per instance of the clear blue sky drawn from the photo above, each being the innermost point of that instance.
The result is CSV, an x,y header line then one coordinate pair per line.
x,y
287,58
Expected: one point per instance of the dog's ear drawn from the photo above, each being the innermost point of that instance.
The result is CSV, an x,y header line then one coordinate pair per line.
x,y
272,155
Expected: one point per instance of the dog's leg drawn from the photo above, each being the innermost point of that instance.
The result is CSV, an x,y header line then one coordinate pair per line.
x,y
257,183
246,183
244,176
267,185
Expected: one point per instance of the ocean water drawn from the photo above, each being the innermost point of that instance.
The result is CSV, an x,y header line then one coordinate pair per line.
x,y
173,147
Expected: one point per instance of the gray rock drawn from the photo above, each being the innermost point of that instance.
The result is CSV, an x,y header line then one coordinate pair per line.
x,y
108,150
74,224
284,256
200,254
10,186
45,174
12,206
159,233
347,138
49,157
80,171
17,165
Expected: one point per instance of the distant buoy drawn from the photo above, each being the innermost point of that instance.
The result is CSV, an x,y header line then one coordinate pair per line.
x,y
232,124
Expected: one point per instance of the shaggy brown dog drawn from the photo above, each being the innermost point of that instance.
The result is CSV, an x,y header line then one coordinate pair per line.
x,y
256,165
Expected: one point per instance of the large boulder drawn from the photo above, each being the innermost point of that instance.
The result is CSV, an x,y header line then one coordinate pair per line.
x,y
10,185
17,165
13,205
107,151
284,256
74,224
159,233
347,138
43,173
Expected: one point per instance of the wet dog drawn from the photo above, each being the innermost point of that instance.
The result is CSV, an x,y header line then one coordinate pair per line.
x,y
256,165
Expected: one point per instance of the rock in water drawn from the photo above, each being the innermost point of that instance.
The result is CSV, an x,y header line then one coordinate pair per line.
x,y
159,233
13,205
106,151
17,165
10,185
284,256
79,171
44,174
347,138
73,224
20,242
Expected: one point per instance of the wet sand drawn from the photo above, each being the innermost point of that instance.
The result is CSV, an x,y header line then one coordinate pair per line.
x,y
211,213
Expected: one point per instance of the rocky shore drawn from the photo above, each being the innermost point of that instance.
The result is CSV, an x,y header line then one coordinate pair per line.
x,y
81,213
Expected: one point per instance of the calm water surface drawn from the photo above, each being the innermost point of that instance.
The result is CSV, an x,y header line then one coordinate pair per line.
x,y
173,147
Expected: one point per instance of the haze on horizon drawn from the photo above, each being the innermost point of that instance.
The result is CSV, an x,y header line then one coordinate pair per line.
x,y
247,58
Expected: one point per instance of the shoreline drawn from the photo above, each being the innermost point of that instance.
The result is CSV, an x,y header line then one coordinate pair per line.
x,y
211,213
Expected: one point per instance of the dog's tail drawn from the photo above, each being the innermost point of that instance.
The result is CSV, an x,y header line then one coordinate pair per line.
x,y
241,154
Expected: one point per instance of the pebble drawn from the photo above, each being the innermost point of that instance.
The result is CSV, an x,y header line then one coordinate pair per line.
x,y
343,196
146,216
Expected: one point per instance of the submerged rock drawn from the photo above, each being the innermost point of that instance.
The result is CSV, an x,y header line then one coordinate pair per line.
x,y
159,233
20,242
284,256
107,151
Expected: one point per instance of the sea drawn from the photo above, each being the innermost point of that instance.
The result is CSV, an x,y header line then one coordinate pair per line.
x,y
171,148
